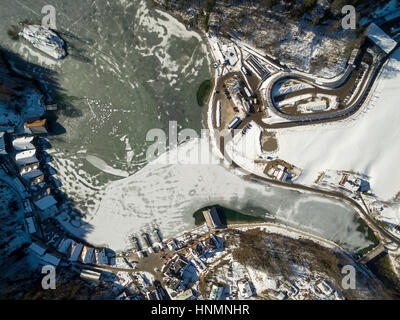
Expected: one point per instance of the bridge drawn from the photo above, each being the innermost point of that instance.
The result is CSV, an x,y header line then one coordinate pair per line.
x,y
372,254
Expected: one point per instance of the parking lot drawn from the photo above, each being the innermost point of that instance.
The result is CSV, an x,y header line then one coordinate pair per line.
x,y
227,105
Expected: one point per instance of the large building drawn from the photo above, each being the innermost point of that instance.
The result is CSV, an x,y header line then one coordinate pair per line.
x,y
212,218
49,258
65,246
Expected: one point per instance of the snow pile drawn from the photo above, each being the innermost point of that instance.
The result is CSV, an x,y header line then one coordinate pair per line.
x,y
280,89
103,166
390,214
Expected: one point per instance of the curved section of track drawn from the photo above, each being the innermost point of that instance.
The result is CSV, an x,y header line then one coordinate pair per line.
x,y
340,114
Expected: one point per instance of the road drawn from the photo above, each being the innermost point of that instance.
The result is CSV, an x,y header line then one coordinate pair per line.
x,y
348,110
337,195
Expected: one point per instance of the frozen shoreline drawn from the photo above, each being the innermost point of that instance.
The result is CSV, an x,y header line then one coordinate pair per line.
x,y
166,196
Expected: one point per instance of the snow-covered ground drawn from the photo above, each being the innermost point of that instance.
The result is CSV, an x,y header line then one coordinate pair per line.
x,y
245,147
280,88
366,143
166,196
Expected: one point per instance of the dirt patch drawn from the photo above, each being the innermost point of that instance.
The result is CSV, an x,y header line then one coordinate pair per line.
x,y
268,141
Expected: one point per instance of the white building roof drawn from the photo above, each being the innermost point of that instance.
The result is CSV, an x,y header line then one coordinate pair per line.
x,y
380,38
46,202
23,143
27,160
26,157
45,40
282,176
316,105
172,245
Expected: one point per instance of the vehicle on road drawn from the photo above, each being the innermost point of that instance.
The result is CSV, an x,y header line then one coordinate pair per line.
x,y
245,71
234,123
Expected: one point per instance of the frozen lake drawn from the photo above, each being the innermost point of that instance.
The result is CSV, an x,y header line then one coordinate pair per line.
x,y
132,68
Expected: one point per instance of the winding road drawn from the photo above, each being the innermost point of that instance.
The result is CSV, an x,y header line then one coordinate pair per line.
x,y
357,101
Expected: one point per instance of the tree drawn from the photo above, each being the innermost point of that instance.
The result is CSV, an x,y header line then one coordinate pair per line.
x,y
13,206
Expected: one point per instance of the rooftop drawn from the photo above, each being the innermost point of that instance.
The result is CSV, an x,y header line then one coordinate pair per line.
x,y
380,38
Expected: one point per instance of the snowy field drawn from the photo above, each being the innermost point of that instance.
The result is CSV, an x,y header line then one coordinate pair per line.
x,y
367,143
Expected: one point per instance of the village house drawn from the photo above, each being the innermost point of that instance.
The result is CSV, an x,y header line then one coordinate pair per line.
x,y
185,295
23,143
26,161
76,252
31,225
36,126
33,178
101,257
65,246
